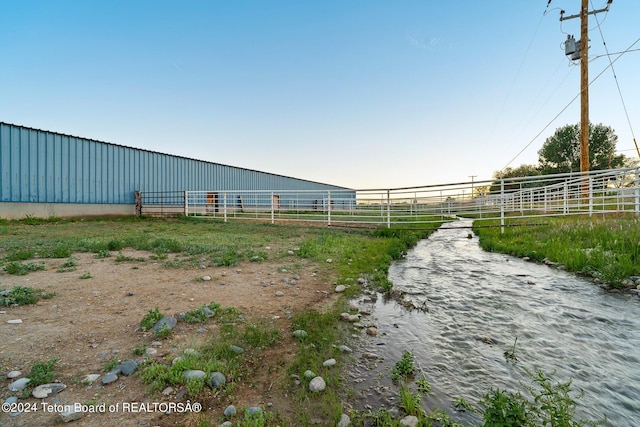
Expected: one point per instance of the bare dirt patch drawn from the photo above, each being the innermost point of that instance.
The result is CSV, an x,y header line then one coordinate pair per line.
x,y
90,321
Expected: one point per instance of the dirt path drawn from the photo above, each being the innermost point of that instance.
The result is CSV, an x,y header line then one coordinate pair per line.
x,y
90,321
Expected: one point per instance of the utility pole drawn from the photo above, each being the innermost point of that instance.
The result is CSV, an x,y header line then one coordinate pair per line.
x,y
580,50
472,176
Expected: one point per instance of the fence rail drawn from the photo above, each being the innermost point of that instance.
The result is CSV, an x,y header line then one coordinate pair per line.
x,y
608,191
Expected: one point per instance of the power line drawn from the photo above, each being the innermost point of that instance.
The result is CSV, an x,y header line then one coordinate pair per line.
x,y
615,77
570,102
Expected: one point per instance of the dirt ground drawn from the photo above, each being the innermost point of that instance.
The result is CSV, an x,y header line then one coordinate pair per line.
x,y
90,321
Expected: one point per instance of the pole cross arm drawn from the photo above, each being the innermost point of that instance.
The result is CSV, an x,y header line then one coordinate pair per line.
x,y
593,12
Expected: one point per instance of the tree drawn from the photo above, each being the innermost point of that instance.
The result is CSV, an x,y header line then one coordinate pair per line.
x,y
561,152
520,171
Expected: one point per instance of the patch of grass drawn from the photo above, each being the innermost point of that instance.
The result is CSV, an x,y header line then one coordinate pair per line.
x,y
67,266
22,295
139,350
605,248
86,275
61,251
20,255
195,316
123,258
103,253
42,372
551,404
228,258
19,269
152,317
163,332
260,335
410,402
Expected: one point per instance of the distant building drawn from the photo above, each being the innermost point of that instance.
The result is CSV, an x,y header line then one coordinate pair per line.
x,y
45,174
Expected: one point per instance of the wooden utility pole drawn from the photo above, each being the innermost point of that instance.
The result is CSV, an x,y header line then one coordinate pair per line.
x,y
583,45
584,87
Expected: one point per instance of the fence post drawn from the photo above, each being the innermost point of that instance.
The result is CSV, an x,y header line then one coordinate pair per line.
x,y
185,200
590,196
566,197
273,221
388,209
502,206
637,191
138,199
224,205
329,208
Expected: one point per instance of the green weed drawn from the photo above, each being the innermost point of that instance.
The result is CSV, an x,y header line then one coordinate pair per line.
x,y
152,317
22,295
404,368
42,372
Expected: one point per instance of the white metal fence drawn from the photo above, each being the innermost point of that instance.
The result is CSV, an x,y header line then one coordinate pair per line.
x,y
602,192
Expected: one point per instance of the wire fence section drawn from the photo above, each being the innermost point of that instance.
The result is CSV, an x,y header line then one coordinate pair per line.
x,y
603,192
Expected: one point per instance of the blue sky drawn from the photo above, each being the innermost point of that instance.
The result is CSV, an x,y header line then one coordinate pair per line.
x,y
365,94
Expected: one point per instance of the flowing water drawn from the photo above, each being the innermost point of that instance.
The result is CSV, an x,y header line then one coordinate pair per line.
x,y
478,303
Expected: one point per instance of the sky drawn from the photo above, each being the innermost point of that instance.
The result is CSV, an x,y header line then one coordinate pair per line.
x,y
360,93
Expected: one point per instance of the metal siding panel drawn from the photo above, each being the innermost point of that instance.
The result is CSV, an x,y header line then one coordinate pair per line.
x,y
104,174
42,167
86,173
73,170
66,169
5,163
16,138
33,167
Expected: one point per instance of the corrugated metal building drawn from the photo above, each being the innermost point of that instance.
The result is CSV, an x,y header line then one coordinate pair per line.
x,y
45,174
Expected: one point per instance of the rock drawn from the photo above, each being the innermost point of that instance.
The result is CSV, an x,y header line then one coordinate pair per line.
x,y
370,356
150,351
165,322
206,278
236,349
226,424
300,334
230,411
372,330
167,391
317,385
409,421
129,367
71,415
109,377
279,293
90,378
345,349
14,321
345,421
11,400
340,288
329,362
13,374
176,360
193,374
252,410
308,374
46,390
207,311
19,385
290,253
329,260
217,379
